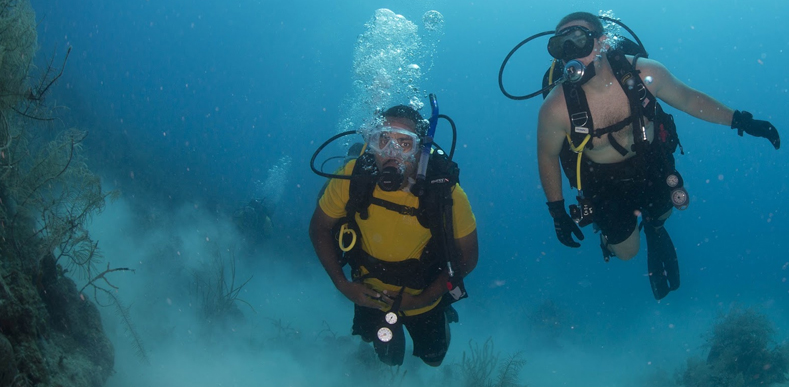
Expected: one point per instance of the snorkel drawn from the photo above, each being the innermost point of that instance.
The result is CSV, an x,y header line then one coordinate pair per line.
x,y
427,144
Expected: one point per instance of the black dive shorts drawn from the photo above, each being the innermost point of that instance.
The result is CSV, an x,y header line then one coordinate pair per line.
x,y
618,191
429,331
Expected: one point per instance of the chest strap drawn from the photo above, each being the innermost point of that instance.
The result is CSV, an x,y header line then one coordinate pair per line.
x,y
610,130
399,208
614,128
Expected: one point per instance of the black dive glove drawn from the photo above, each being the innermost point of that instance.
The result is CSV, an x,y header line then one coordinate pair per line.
x,y
564,224
744,122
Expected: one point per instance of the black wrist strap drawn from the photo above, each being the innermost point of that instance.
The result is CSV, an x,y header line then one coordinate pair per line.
x,y
556,208
739,119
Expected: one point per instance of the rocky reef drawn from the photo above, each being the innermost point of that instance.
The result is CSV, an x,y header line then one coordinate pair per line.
x,y
50,332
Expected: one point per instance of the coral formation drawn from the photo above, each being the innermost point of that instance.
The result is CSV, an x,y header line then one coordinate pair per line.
x,y
17,48
741,354
50,334
217,291
481,367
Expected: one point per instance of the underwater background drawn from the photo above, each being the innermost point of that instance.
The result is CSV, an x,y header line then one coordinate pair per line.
x,y
194,108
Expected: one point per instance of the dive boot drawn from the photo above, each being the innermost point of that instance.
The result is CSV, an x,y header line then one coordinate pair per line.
x,y
661,261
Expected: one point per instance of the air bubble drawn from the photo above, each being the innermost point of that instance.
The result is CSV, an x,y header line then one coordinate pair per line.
x,y
433,21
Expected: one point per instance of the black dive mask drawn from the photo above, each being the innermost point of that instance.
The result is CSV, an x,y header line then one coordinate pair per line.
x,y
572,42
390,179
576,73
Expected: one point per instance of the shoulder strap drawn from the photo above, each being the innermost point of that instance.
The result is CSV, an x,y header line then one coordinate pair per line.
x,y
641,99
363,180
435,209
642,102
581,123
441,177
632,84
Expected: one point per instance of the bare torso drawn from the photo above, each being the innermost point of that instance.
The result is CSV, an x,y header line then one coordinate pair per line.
x,y
608,105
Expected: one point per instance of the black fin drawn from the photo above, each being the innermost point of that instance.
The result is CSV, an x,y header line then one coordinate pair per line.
x,y
451,314
662,261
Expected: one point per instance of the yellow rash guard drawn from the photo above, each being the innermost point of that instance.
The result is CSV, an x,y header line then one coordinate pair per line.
x,y
390,236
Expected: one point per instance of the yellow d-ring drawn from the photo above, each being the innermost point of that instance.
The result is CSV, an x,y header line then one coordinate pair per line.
x,y
343,230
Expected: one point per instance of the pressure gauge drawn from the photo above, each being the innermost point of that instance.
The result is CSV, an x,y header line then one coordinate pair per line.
x,y
391,318
385,334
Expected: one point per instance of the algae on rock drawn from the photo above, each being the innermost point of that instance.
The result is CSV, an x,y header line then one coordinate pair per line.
x,y
50,335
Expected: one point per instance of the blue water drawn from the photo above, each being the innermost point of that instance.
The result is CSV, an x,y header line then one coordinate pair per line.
x,y
191,105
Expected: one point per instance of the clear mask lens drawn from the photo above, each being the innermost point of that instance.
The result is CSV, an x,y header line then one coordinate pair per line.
x,y
393,142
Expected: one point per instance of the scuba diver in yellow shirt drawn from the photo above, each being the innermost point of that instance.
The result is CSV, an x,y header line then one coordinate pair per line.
x,y
399,218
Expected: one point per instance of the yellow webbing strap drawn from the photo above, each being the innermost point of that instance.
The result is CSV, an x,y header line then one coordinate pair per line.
x,y
580,151
550,73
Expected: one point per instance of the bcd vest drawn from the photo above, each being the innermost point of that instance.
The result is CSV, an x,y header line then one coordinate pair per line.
x,y
434,213
643,105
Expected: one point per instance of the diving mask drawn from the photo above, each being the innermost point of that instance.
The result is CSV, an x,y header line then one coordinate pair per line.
x,y
572,42
389,141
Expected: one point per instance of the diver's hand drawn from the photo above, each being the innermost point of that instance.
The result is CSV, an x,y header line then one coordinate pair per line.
x,y
744,122
564,224
408,302
360,294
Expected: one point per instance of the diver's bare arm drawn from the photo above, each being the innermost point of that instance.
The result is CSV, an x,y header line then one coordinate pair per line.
x,y
550,137
323,243
683,97
469,254
322,240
